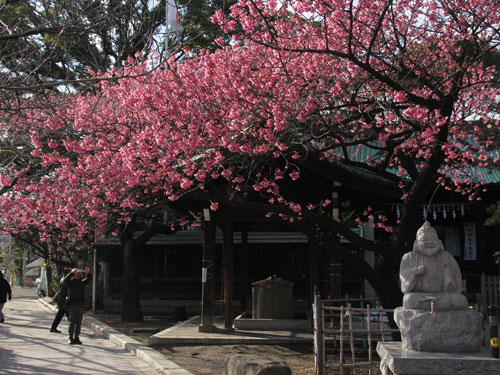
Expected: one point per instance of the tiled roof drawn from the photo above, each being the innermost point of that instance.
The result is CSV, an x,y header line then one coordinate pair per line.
x,y
489,175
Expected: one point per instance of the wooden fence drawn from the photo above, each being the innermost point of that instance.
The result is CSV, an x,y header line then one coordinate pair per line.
x,y
490,292
345,336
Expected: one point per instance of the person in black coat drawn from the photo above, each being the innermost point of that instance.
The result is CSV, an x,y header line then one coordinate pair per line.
x,y
75,302
60,299
5,291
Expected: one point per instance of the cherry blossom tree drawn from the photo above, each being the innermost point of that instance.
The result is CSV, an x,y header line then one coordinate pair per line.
x,y
412,80
47,49
304,88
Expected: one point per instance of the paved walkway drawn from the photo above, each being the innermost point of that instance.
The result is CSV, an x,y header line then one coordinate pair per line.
x,y
187,333
27,346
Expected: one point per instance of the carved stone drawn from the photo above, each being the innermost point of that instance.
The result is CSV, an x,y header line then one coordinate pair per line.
x,y
245,364
430,277
458,331
440,335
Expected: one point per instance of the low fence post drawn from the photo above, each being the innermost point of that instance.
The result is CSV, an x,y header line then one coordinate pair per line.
x,y
319,338
493,320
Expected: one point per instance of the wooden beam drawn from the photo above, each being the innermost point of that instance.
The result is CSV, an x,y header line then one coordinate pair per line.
x,y
228,275
208,278
239,215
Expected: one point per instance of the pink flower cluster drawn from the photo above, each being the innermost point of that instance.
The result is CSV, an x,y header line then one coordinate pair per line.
x,y
305,79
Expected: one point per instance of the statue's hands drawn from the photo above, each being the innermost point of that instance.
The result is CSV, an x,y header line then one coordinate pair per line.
x,y
421,270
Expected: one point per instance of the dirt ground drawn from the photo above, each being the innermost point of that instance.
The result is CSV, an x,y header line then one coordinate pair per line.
x,y
211,359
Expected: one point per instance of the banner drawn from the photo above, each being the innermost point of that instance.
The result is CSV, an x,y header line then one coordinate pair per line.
x,y
173,24
451,240
470,241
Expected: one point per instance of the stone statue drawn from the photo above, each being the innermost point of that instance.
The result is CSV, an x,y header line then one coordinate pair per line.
x,y
430,277
435,319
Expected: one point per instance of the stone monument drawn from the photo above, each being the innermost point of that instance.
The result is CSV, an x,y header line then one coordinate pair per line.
x,y
440,334
435,315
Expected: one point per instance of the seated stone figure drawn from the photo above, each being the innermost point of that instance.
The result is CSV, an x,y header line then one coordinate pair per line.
x,y
430,277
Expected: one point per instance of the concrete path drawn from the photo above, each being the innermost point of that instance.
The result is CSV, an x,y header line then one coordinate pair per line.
x,y
27,346
187,332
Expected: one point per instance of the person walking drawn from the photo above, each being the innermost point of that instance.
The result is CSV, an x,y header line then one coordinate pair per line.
x,y
60,299
5,291
75,302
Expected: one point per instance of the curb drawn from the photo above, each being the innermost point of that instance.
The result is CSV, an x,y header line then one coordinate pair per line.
x,y
141,351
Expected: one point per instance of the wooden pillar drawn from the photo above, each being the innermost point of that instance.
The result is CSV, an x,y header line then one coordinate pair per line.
x,y
156,271
481,256
106,280
335,277
228,274
244,258
335,266
131,306
369,256
312,271
208,275
319,337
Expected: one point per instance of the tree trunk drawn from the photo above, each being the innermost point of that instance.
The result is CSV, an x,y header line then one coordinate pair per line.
x,y
48,270
131,306
50,290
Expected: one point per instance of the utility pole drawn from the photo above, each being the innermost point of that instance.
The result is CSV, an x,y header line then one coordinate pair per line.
x,y
23,275
166,27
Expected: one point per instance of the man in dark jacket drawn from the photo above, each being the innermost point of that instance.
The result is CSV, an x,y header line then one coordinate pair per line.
x,y
75,302
60,299
5,291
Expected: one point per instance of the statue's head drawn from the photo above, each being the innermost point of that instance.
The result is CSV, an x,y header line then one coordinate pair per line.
x,y
427,241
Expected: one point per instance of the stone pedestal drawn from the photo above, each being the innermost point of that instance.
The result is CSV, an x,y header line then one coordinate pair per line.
x,y
440,331
396,361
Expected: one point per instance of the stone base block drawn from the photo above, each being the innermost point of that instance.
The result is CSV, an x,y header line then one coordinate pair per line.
x,y
396,361
245,364
440,331
296,325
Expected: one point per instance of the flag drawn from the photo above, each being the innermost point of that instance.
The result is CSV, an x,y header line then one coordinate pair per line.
x,y
173,24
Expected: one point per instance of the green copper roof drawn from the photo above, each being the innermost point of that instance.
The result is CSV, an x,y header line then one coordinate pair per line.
x,y
490,175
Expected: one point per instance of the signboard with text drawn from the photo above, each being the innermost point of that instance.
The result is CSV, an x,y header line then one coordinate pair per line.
x,y
470,241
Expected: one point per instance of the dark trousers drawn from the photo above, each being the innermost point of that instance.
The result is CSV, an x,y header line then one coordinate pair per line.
x,y
60,313
75,318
